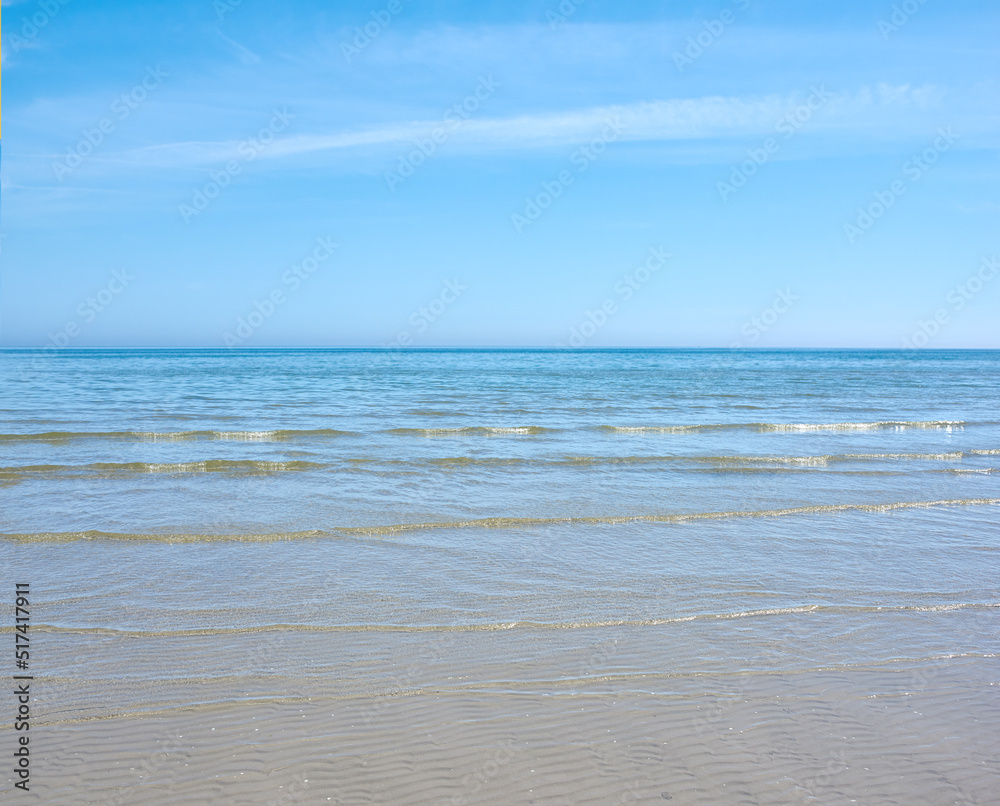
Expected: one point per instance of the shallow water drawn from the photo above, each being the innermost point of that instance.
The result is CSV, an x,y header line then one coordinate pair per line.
x,y
227,537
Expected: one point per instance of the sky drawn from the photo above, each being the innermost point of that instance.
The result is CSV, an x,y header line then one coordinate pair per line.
x,y
584,173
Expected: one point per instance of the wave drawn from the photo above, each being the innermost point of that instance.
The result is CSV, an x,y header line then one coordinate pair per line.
x,y
504,523
942,457
722,460
176,436
496,523
499,626
486,431
695,463
278,435
896,425
204,466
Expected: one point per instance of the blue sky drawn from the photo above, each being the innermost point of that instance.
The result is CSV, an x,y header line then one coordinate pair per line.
x,y
731,173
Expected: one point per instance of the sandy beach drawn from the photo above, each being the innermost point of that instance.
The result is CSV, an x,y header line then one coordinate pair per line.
x,y
640,595
767,739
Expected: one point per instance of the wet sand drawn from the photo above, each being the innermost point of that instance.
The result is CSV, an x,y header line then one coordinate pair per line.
x,y
874,736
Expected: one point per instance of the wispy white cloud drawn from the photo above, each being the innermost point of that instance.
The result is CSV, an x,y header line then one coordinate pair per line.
x,y
704,118
246,55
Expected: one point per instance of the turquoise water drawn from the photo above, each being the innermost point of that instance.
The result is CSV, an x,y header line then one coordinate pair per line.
x,y
287,441
210,528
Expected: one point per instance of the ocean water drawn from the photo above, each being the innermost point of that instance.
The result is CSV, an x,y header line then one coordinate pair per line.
x,y
213,533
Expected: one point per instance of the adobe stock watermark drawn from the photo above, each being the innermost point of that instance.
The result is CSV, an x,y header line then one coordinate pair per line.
x,y
224,7
957,298
290,795
757,325
914,169
172,755
484,773
566,9
292,281
454,116
624,290
425,315
441,649
365,35
836,764
32,26
581,159
721,709
901,14
787,126
597,662
88,310
711,31
247,151
121,108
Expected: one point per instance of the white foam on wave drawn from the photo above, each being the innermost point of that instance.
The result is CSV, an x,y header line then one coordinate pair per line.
x,y
897,425
246,436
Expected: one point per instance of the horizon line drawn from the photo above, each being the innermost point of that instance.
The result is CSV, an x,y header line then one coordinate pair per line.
x,y
53,351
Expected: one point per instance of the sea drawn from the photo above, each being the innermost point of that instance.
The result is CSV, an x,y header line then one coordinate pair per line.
x,y
668,542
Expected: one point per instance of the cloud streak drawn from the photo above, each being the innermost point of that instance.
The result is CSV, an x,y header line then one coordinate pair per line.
x,y
706,118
